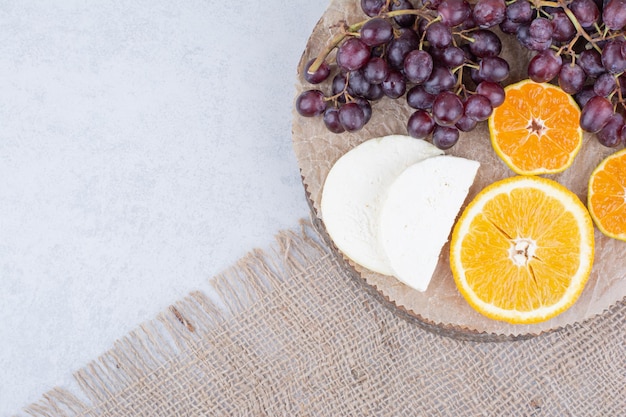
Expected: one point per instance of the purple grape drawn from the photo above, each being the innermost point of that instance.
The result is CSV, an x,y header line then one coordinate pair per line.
x,y
478,107
352,54
611,134
420,124
406,20
527,41
509,27
541,30
447,109
453,56
454,12
586,11
441,79
331,120
418,65
351,117
488,13
493,91
605,85
372,7
400,47
311,103
595,114
376,32
445,137
571,78
357,84
590,61
614,14
612,58
339,85
584,95
375,92
520,11
544,66
466,124
485,43
438,35
394,85
418,98
493,68
376,70
563,29
365,105
319,75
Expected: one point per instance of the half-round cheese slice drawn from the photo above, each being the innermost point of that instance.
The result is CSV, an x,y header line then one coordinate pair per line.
x,y
419,212
355,190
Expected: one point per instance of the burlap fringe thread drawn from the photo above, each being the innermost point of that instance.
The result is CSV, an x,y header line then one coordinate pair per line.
x,y
177,332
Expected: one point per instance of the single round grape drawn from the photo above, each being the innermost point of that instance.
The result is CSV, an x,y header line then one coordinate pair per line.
x,y
376,70
352,54
488,13
612,58
466,124
420,124
441,79
571,78
614,14
445,137
541,29
439,35
406,20
611,134
375,92
590,61
351,117
453,56
595,114
485,43
584,95
493,68
493,91
447,109
418,65
520,11
605,85
544,66
454,12
586,11
372,7
338,86
394,85
319,75
418,98
357,84
509,27
563,29
478,107
311,103
331,120
376,31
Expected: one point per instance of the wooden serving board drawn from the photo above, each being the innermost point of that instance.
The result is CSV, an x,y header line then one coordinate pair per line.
x,y
442,306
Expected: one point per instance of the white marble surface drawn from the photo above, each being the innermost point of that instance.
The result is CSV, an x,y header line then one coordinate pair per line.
x,y
144,147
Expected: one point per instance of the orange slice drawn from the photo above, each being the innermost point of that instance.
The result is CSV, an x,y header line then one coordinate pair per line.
x,y
522,250
606,196
536,130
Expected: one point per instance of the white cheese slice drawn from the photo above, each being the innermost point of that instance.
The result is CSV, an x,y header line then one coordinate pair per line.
x,y
355,190
419,212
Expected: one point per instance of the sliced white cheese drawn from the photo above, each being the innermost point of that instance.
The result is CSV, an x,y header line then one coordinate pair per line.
x,y
419,212
355,190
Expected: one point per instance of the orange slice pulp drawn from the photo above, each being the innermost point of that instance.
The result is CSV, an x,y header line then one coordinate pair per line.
x,y
606,195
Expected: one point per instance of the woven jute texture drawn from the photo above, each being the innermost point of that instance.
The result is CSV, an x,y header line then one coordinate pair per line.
x,y
293,333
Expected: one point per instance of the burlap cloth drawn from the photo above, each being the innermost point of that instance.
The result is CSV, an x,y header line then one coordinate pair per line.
x,y
293,333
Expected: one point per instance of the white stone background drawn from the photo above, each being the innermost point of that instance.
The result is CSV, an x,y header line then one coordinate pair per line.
x,y
145,146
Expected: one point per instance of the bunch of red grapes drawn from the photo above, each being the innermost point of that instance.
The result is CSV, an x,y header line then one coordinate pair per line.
x,y
442,57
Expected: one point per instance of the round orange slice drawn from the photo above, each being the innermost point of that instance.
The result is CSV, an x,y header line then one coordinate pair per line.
x,y
536,129
606,195
522,250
